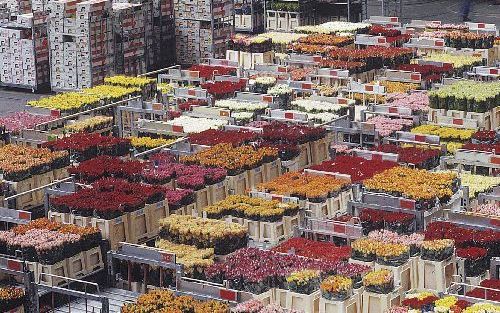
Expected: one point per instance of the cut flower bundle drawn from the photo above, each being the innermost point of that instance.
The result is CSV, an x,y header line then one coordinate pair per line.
x,y
204,233
251,208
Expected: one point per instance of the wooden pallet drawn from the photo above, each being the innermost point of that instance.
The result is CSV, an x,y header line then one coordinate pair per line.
x,y
436,276
93,259
42,180
25,200
272,170
218,192
76,266
297,301
202,198
253,228
305,158
115,230
380,303
403,275
83,221
59,217
291,165
256,176
318,210
137,227
272,232
154,213
239,184
58,269
350,305
320,150
290,223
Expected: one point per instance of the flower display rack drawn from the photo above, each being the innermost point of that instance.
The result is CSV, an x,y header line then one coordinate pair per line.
x,y
436,275
455,118
475,281
25,200
351,305
351,133
297,301
248,60
76,265
53,274
380,303
473,159
272,232
154,213
115,230
94,260
403,275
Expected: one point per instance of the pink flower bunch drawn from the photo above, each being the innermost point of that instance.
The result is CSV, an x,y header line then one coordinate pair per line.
x,y
492,209
386,126
23,120
418,101
179,197
392,237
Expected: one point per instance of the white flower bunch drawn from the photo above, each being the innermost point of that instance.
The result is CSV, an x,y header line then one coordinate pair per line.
x,y
316,106
236,105
280,89
195,124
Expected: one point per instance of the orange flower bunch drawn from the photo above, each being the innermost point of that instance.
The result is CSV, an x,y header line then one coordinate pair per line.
x,y
44,223
303,185
233,159
325,39
165,301
413,183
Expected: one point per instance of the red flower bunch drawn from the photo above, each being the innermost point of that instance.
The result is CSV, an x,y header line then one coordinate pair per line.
x,y
223,89
356,67
485,147
90,145
384,53
486,294
179,197
315,249
418,304
379,30
429,72
213,137
485,136
186,105
472,253
296,134
208,71
107,166
412,155
377,218
358,168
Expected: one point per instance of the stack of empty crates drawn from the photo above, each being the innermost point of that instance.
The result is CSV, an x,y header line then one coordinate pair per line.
x,y
129,33
81,43
202,29
162,48
24,55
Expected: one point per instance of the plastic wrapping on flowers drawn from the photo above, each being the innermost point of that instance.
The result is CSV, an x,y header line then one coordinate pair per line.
x,y
379,281
336,288
437,250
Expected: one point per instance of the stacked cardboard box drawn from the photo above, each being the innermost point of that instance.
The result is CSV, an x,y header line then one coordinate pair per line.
x,y
163,44
202,29
81,43
129,34
24,56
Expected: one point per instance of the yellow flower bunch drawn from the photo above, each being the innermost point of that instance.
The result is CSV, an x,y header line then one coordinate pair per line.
x,y
231,158
128,81
482,308
250,207
378,277
186,227
70,101
336,283
478,183
458,61
413,183
420,295
444,132
148,142
303,277
187,255
108,92
439,244
165,88
163,301
393,87
90,124
446,302
388,250
365,245
302,184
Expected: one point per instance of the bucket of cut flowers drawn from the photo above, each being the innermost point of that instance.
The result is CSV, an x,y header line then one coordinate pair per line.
x,y
336,288
364,249
304,282
476,260
379,281
392,254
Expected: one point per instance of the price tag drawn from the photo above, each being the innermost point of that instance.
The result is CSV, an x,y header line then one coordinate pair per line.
x,y
55,113
157,106
381,40
277,198
14,265
317,58
458,121
494,71
281,69
481,25
23,215
289,115
194,74
191,92
224,113
420,138
227,295
339,228
342,100
268,99
333,73
439,43
416,76
407,204
368,87
168,257
177,128
394,19
393,110
306,85
494,159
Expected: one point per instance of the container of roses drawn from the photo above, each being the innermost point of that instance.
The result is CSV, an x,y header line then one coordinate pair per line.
x,y
476,260
392,254
437,250
11,298
336,288
379,281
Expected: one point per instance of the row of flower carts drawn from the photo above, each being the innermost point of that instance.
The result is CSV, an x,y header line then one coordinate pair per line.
x,y
306,185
